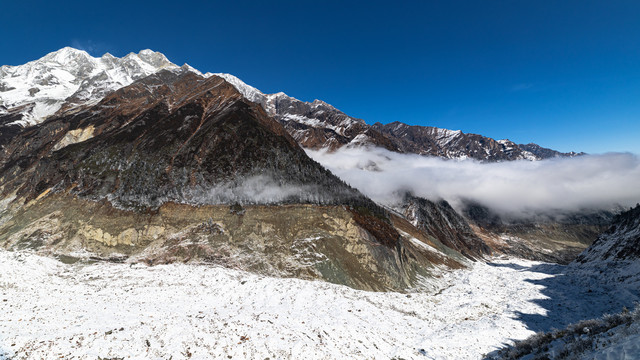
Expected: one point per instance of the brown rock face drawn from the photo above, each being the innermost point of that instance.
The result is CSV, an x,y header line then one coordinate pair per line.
x,y
305,241
318,125
170,137
441,221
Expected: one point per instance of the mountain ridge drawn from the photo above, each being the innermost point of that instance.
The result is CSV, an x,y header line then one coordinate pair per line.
x,y
616,250
75,79
316,125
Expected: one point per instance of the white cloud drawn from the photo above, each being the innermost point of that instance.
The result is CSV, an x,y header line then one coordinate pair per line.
x,y
259,189
515,187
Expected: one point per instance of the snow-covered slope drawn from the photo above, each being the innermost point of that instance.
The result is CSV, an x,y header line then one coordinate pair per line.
x,y
38,89
247,91
611,265
84,311
615,255
313,124
609,337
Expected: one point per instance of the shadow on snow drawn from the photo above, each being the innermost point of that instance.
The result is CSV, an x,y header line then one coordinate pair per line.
x,y
571,297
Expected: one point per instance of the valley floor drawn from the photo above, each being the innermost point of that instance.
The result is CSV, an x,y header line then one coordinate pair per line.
x,y
84,311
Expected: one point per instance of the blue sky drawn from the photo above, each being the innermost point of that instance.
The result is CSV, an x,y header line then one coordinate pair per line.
x,y
563,74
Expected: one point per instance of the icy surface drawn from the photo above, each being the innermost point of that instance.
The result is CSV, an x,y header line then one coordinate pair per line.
x,y
445,136
49,309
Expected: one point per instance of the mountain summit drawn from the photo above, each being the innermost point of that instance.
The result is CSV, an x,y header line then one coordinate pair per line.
x,y
31,92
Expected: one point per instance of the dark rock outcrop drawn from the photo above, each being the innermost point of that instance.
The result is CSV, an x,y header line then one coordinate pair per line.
x,y
441,221
619,243
427,140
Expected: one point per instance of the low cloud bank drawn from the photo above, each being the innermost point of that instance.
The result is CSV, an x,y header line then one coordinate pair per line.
x,y
511,188
254,190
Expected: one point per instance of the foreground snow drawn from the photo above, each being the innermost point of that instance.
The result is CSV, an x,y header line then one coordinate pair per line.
x,y
49,309
614,336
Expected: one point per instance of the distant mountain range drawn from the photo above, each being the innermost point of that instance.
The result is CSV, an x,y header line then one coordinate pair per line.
x,y
316,125
68,79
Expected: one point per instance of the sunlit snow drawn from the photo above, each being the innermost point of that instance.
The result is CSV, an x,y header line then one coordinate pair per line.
x,y
45,84
49,309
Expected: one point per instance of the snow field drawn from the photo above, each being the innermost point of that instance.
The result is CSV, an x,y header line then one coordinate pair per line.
x,y
83,311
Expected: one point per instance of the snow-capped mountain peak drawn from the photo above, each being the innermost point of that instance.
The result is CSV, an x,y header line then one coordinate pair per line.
x,y
65,55
38,89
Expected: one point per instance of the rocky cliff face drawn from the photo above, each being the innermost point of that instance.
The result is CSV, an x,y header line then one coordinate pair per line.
x,y
303,241
314,125
441,221
173,136
544,153
618,246
319,125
